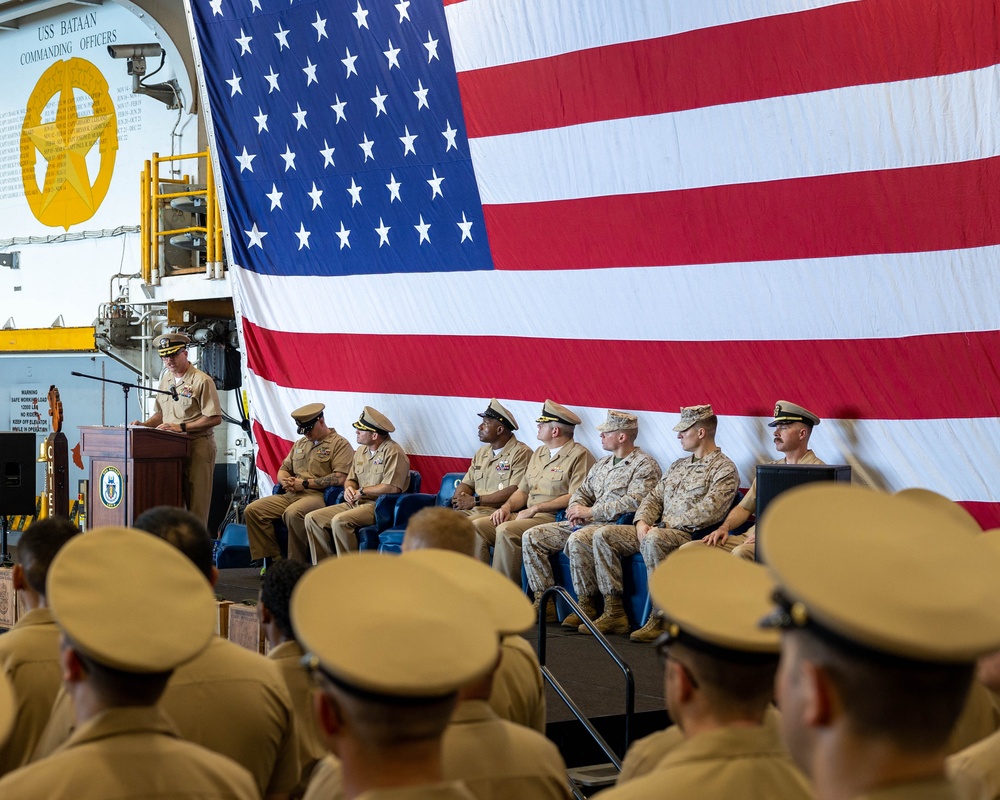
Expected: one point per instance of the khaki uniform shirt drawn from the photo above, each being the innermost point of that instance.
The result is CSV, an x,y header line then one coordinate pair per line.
x,y
923,790
236,703
126,753
287,657
614,489
327,781
518,687
748,763
975,771
29,656
490,473
388,464
438,791
693,494
980,718
196,397
309,460
548,478
500,760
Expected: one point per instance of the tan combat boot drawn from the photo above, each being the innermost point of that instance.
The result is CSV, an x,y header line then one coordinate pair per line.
x,y
649,632
613,620
550,609
589,608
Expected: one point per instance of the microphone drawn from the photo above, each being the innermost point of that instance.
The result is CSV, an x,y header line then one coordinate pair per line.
x,y
173,392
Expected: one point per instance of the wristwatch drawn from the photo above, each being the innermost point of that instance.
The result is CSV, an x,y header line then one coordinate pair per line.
x,y
184,427
476,498
305,483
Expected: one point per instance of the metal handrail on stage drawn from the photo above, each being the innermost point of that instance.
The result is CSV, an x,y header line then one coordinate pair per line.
x,y
549,595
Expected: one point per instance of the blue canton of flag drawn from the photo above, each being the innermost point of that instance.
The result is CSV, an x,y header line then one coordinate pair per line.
x,y
340,137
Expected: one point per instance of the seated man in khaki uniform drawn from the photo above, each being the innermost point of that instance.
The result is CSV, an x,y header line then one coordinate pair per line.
x,y
384,717
719,668
884,604
286,652
192,407
615,485
321,458
518,689
555,471
793,426
975,771
380,467
131,609
493,756
497,467
29,652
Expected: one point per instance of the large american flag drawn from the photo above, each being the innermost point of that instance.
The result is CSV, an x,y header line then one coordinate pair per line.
x,y
632,204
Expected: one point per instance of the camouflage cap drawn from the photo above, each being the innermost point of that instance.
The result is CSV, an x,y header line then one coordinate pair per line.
x,y
619,421
496,411
374,421
171,343
790,412
691,415
831,546
553,412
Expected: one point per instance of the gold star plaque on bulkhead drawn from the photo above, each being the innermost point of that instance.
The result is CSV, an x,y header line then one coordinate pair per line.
x,y
68,195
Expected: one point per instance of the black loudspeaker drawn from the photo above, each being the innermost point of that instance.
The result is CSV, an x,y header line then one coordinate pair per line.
x,y
17,473
773,479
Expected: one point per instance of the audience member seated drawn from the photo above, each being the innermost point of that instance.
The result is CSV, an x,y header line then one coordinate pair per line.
x,y
380,467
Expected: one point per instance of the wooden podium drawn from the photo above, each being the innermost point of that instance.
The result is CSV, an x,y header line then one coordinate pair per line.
x,y
155,466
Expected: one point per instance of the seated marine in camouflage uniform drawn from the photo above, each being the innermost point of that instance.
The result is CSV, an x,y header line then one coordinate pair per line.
x,y
695,492
614,486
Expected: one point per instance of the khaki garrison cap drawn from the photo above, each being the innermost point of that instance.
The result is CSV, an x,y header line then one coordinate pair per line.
x,y
130,600
496,411
707,597
372,420
884,572
308,413
419,636
692,415
789,412
7,707
171,343
619,421
553,412
507,605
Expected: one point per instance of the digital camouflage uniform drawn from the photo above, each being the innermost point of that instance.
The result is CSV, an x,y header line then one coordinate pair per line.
x,y
610,490
693,494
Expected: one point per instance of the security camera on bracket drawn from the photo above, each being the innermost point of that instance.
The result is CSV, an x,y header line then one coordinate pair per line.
x,y
168,93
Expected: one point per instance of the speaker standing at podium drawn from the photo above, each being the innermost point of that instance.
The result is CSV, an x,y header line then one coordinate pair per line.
x,y
192,407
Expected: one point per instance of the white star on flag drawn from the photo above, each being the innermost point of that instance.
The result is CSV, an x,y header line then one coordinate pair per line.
x,y
408,141
383,232
422,229
275,197
234,83
366,147
338,108
310,70
272,79
449,136
355,192
303,236
216,7
361,15
320,26
256,237
261,120
300,117
316,195
349,63
466,228
435,184
432,48
421,94
344,235
327,153
246,160
282,37
244,43
289,158
393,55
379,101
403,9
393,187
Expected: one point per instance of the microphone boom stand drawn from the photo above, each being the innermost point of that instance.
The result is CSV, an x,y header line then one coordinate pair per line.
x,y
125,388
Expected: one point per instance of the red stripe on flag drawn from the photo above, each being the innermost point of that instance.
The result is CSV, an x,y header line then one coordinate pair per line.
x,y
986,514
847,379
844,45
918,209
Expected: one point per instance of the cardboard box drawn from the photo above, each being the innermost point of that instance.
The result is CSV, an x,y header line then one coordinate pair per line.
x,y
8,598
244,627
222,618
